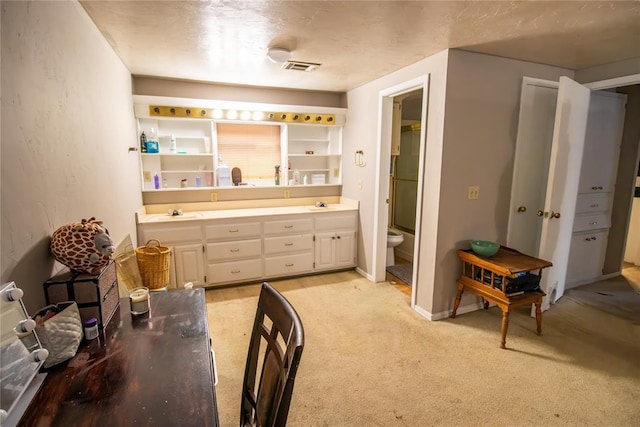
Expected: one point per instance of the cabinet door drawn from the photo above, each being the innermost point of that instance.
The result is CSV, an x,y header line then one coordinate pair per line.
x,y
325,250
189,262
345,255
602,142
587,256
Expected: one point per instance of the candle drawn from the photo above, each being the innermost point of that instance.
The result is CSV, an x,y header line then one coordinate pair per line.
x,y
139,300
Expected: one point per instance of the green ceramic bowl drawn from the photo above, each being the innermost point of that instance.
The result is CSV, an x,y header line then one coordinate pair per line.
x,y
484,247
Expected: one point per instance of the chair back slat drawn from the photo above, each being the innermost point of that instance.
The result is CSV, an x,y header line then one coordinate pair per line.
x,y
275,349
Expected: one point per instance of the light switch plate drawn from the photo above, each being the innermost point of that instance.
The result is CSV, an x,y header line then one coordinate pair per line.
x,y
474,192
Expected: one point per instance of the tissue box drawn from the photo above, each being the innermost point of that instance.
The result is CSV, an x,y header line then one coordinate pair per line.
x,y
318,178
97,296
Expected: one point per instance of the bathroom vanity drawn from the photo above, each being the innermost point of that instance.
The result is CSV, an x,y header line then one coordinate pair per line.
x,y
226,244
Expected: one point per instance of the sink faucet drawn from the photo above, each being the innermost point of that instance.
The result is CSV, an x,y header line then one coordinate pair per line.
x,y
175,212
321,205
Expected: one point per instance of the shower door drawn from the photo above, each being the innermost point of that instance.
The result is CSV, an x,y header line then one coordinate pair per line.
x,y
405,180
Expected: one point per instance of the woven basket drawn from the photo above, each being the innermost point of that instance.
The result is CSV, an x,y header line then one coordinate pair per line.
x,y
153,263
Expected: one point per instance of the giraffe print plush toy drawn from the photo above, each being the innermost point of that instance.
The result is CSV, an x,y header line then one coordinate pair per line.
x,y
83,246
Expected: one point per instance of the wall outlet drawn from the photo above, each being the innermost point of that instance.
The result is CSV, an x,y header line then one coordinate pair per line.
x,y
214,197
474,192
287,194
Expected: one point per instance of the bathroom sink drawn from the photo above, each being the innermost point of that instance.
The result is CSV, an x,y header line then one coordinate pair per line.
x,y
186,215
318,208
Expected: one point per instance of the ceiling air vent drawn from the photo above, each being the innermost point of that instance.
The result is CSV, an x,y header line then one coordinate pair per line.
x,y
299,66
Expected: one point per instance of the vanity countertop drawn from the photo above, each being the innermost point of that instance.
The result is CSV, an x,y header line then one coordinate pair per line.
x,y
222,210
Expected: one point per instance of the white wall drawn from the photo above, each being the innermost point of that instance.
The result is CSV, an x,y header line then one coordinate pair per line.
x,y
362,132
67,120
481,123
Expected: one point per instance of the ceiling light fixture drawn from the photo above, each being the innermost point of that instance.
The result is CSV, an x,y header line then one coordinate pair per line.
x,y
278,54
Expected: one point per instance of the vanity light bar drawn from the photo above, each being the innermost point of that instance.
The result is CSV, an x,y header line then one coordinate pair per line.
x,y
230,114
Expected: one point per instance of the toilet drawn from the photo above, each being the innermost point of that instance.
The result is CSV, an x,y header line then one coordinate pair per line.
x,y
394,238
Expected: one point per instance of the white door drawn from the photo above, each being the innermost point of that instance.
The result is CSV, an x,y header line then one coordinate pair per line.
x,y
531,164
569,131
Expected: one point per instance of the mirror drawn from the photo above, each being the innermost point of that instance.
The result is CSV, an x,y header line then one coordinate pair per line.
x,y
20,350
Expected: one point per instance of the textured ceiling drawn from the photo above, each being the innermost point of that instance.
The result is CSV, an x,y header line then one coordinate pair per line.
x,y
355,41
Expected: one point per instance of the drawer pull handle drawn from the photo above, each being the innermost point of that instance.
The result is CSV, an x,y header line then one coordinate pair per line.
x,y
234,250
595,205
288,265
288,226
596,187
235,271
288,244
593,223
233,231
588,239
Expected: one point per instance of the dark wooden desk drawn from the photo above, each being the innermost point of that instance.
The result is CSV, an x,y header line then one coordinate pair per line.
x,y
489,279
150,370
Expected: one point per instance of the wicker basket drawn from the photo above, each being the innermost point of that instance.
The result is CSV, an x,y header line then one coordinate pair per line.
x,y
153,263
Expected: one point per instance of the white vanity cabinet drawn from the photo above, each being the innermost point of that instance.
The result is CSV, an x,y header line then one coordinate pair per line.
x,y
230,249
234,251
335,240
185,241
288,246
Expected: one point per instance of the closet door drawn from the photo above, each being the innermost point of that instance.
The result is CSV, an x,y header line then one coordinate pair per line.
x,y
572,110
531,165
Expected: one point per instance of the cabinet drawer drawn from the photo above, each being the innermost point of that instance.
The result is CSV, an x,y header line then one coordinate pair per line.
x,y
593,203
293,225
288,264
233,250
591,222
234,271
330,222
283,244
232,230
171,234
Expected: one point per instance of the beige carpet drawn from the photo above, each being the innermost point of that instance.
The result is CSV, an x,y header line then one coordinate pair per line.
x,y
370,360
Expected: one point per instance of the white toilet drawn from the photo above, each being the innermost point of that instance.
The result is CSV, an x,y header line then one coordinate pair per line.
x,y
394,238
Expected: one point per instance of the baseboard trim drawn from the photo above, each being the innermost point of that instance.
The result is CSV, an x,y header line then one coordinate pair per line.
x,y
446,314
591,280
364,274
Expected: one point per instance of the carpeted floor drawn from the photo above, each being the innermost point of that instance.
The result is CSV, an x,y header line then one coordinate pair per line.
x,y
370,360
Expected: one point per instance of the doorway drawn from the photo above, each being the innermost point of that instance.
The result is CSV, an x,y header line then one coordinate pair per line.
x,y
418,89
403,189
594,203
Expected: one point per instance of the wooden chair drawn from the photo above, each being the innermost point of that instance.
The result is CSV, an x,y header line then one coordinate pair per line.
x,y
275,348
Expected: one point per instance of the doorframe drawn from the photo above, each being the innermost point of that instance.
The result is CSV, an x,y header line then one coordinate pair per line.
x,y
383,159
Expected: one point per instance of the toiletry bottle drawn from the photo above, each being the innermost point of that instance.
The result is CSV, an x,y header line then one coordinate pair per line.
x,y
198,182
156,181
305,180
296,177
91,328
277,175
172,144
152,141
143,142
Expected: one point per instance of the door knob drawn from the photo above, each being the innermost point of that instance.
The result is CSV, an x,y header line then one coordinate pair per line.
x,y
555,214
540,213
522,208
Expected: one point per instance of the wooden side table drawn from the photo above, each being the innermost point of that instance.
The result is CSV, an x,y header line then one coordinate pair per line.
x,y
508,279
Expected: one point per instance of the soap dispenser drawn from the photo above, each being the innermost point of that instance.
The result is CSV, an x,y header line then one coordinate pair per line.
x,y
172,144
